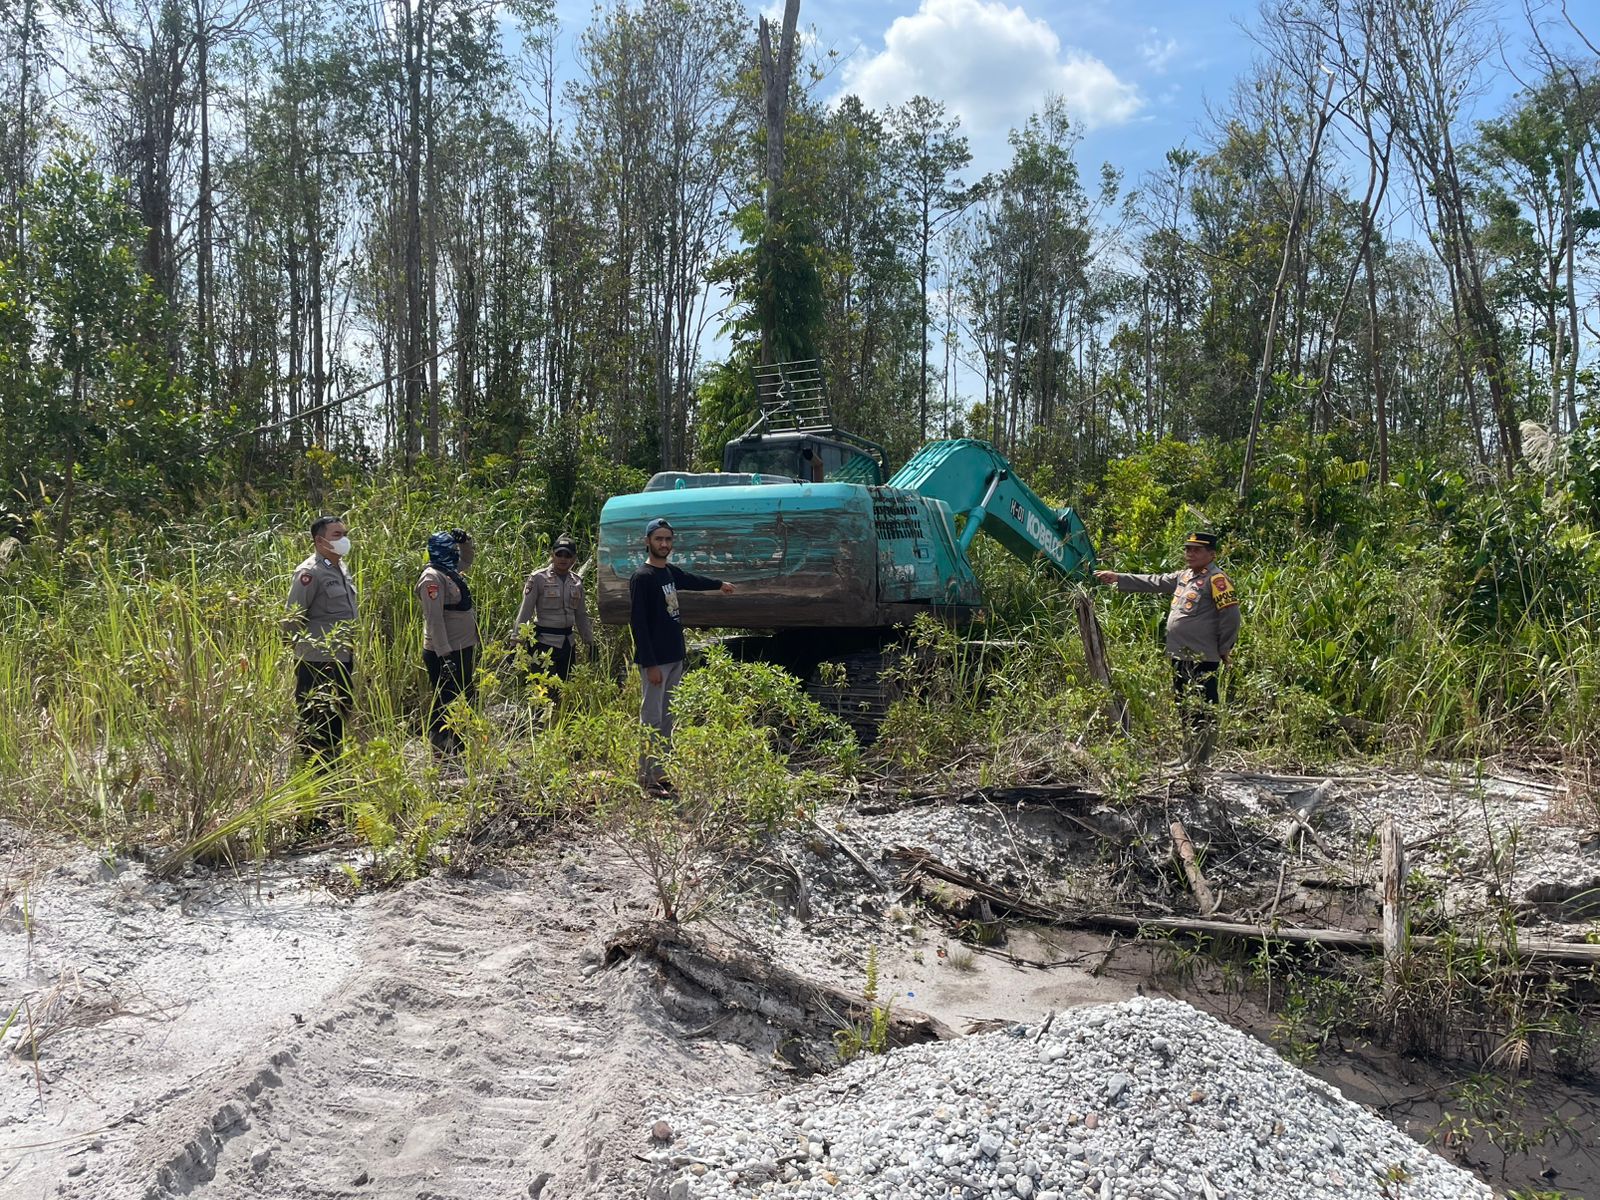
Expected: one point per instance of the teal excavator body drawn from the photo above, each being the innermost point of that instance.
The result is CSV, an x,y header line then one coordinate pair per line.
x,y
801,522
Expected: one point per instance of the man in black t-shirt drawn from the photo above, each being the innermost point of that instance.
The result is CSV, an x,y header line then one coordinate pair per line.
x,y
658,646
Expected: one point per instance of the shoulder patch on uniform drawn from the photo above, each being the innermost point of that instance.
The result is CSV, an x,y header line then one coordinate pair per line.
x,y
433,591
305,578
1222,593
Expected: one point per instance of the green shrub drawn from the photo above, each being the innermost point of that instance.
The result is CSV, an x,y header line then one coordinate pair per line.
x,y
731,777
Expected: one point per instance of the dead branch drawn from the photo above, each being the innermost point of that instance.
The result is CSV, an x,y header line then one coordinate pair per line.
x,y
1191,868
1008,904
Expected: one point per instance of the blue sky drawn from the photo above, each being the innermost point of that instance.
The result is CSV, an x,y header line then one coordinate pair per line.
x,y
1137,74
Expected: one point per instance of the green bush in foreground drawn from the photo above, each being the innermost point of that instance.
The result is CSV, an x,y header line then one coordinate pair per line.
x,y
732,782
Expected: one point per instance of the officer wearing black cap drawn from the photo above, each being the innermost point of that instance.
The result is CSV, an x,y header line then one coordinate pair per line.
x,y
552,599
449,633
658,646
1202,630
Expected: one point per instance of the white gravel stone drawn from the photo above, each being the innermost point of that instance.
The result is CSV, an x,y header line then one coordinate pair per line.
x,y
1150,1098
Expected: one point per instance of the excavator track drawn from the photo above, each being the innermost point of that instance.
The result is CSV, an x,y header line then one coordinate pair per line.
x,y
851,674
856,689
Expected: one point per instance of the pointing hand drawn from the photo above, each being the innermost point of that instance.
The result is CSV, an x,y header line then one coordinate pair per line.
x,y
1106,576
727,589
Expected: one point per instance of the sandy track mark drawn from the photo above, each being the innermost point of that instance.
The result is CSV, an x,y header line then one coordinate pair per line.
x,y
468,1055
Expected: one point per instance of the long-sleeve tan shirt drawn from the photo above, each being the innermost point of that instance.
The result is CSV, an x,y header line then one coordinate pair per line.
x,y
444,630
1203,622
554,603
321,611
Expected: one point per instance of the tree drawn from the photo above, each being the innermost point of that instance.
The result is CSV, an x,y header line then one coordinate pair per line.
x,y
1027,261
1426,59
1536,218
929,153
98,422
657,129
777,75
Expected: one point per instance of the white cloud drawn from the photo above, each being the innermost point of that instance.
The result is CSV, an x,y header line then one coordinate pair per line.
x,y
1158,52
991,64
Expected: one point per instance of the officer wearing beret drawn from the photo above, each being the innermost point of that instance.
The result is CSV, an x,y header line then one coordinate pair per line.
x,y
552,599
320,614
1202,630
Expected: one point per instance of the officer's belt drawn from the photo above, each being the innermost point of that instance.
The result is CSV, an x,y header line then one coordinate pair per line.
x,y
541,630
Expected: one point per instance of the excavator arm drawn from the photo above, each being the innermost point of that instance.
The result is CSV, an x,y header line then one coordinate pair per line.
x,y
975,479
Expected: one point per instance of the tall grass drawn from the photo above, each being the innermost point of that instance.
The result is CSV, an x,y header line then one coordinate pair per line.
x,y
1345,650
145,686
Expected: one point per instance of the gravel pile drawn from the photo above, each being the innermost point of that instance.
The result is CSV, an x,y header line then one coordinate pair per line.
x,y
1145,1100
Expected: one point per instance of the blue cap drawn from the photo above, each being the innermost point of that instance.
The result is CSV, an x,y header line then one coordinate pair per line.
x,y
658,523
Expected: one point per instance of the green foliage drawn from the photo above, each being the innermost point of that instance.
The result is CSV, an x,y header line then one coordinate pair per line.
x,y
1489,1111
97,423
871,1035
148,689
1148,499
732,785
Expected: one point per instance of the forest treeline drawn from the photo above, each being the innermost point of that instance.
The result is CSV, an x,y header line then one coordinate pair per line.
x,y
247,244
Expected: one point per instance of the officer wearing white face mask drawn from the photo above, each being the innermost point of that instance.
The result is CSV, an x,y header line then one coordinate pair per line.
x,y
321,617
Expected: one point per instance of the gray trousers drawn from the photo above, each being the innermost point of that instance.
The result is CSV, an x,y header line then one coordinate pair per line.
x,y
656,712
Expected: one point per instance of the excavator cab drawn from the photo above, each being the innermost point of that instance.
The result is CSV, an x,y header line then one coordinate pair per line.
x,y
795,437
809,457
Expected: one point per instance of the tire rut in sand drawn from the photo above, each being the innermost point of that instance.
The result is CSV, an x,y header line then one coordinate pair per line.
x,y
469,1057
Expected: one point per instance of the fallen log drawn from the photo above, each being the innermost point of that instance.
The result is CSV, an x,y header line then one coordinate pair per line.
x,y
1300,805
1059,796
851,852
1001,902
778,1005
1007,903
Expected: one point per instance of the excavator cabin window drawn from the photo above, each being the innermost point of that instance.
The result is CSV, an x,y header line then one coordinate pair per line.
x,y
806,459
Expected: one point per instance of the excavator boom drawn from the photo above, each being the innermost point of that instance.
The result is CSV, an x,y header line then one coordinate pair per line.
x,y
975,480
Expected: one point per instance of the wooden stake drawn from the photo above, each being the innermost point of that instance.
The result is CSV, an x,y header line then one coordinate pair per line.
x,y
1393,848
1094,652
1191,868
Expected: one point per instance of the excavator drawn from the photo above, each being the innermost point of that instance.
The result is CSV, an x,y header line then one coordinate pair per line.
x,y
829,558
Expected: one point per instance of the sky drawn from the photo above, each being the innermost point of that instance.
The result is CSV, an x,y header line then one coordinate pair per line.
x,y
1137,75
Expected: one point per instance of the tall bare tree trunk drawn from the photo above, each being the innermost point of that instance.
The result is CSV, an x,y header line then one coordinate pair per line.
x,y
775,76
431,265
1264,371
1380,382
411,344
1570,237
202,259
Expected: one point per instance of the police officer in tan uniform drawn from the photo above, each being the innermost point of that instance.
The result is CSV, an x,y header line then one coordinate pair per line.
x,y
449,632
552,599
1202,630
321,617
